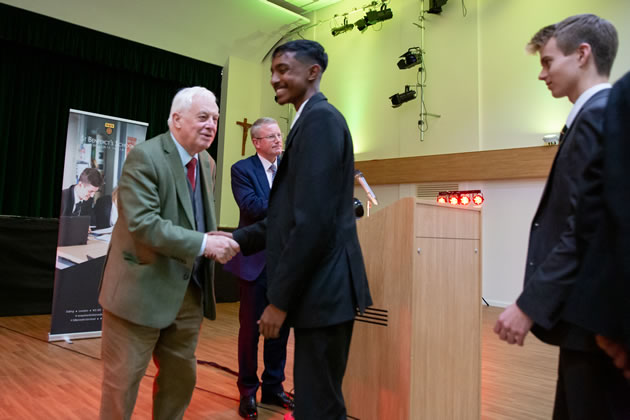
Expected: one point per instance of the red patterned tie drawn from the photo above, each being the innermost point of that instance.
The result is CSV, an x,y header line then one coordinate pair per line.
x,y
191,165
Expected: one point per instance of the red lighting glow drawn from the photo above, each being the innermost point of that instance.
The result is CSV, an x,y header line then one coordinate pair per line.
x,y
441,199
478,199
464,200
453,200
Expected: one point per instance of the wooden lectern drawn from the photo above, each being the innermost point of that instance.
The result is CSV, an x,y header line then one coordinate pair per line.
x,y
416,352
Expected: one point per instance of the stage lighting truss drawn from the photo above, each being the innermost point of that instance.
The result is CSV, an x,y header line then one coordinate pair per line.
x,y
461,198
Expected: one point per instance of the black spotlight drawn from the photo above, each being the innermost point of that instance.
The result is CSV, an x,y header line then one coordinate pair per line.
x,y
435,6
361,24
374,16
400,98
343,28
411,58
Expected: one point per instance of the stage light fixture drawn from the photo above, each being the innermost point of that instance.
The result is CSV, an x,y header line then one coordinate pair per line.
x,y
375,16
478,199
411,58
343,28
400,98
461,198
435,6
361,24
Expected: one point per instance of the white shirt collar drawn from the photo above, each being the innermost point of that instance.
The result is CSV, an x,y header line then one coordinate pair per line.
x,y
299,112
76,194
265,163
585,96
183,154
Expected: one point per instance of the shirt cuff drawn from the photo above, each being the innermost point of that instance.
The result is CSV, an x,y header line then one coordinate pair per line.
x,y
203,245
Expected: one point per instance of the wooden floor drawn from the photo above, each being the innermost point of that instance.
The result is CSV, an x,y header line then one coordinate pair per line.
x,y
41,380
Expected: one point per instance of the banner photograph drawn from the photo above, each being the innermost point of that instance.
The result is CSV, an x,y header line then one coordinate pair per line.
x,y
96,148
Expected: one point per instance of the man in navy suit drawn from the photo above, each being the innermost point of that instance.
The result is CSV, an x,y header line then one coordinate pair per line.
x,y
251,182
576,55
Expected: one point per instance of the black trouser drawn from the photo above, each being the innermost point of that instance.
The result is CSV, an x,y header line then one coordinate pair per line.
x,y
590,387
253,296
321,355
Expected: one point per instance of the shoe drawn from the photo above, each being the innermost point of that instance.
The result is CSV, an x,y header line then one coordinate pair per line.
x,y
281,399
247,407
289,416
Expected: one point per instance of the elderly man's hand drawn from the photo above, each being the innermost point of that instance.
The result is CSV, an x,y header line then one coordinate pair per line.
x,y
220,248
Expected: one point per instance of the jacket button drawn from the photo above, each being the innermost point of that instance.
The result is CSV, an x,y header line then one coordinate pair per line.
x,y
531,263
536,224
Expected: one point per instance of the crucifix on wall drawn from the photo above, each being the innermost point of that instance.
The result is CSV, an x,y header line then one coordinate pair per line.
x,y
245,126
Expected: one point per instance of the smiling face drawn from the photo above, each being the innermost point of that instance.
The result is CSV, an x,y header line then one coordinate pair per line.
x,y
294,81
196,126
560,72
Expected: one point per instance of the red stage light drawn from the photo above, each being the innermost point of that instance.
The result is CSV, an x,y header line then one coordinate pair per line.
x,y
441,199
453,200
464,200
478,199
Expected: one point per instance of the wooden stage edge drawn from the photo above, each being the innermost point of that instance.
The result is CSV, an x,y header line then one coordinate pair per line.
x,y
518,163
42,380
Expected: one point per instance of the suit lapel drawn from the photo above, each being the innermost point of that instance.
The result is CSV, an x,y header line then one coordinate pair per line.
x,y
564,139
181,184
259,172
311,102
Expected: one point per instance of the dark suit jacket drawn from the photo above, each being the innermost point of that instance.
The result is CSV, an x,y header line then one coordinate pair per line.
x,y
103,212
552,261
67,205
600,301
251,192
154,242
314,262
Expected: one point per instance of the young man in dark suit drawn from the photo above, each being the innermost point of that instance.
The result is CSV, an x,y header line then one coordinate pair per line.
x,y
78,199
316,276
576,55
251,182
600,301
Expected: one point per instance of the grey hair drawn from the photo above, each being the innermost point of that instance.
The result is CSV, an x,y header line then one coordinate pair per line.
x,y
184,98
253,131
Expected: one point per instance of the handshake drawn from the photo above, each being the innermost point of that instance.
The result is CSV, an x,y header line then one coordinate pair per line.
x,y
220,246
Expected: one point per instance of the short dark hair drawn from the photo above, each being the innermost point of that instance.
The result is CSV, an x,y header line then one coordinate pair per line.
x,y
91,176
599,33
305,50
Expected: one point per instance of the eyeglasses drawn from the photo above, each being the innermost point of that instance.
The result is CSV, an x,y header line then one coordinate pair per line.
x,y
271,137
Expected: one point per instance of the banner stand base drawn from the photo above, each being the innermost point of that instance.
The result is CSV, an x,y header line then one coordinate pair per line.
x,y
70,336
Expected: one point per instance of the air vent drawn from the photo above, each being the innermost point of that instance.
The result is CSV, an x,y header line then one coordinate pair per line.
x,y
373,316
430,190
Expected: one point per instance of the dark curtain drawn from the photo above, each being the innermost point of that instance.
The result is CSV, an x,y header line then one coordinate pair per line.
x,y
48,67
